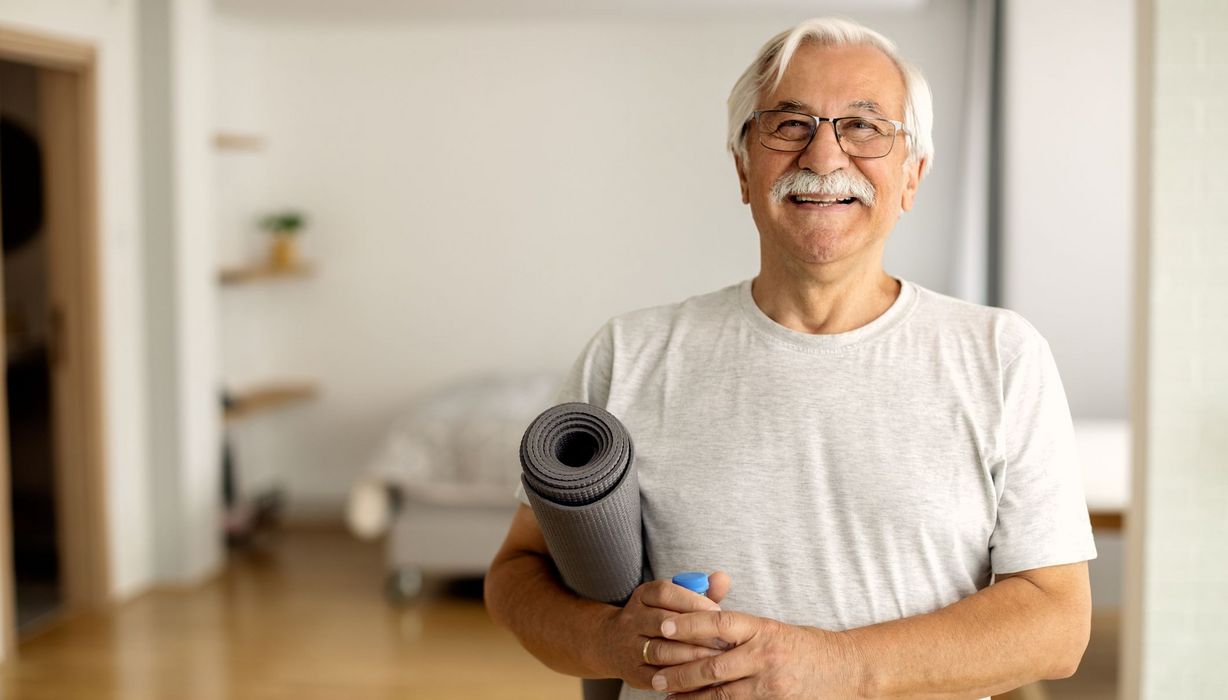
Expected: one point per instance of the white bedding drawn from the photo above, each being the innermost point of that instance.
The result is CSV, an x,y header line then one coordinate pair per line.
x,y
1104,450
462,442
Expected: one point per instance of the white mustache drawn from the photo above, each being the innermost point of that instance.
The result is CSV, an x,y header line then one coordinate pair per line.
x,y
837,183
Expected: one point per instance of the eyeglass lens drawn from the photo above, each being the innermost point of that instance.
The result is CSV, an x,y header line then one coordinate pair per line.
x,y
863,137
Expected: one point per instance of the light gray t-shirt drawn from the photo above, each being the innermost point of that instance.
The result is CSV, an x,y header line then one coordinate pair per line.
x,y
843,479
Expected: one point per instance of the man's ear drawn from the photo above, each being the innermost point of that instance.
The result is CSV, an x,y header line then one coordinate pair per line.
x,y
912,175
742,182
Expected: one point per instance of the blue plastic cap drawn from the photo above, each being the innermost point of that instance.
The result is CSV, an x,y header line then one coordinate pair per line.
x,y
693,580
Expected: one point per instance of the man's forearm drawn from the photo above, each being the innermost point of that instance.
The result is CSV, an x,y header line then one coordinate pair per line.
x,y
524,594
1005,636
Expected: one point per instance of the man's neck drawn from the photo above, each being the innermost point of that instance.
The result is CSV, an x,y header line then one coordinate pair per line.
x,y
812,302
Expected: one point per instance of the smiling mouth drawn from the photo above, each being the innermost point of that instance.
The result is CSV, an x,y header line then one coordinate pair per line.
x,y
820,200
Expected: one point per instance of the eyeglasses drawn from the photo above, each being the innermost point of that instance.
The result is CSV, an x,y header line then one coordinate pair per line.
x,y
860,137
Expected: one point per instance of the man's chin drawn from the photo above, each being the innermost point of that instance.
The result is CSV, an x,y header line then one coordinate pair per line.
x,y
823,247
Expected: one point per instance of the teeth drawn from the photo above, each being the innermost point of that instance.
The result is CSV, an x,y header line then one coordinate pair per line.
x,y
812,200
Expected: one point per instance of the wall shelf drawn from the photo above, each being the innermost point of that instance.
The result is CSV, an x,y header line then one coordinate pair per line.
x,y
235,141
268,397
254,273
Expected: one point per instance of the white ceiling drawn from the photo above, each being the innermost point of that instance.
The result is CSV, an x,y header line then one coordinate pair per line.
x,y
514,9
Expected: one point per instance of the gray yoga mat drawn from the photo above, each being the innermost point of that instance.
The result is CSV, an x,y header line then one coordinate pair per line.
x,y
579,475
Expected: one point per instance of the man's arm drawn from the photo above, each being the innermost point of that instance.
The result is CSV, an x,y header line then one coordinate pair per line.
x,y
581,637
1027,626
524,593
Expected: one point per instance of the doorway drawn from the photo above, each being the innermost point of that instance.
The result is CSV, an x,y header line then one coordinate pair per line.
x,y
28,330
52,521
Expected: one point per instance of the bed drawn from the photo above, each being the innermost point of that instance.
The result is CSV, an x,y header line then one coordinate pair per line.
x,y
440,485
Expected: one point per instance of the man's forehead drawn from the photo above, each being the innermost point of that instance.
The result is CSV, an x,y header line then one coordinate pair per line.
x,y
860,78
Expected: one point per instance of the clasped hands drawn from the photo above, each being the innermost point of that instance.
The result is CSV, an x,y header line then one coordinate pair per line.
x,y
673,640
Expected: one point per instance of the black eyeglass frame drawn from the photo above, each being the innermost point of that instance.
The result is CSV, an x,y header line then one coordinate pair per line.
x,y
818,121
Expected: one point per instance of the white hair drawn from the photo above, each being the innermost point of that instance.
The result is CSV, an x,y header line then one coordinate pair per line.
x,y
768,68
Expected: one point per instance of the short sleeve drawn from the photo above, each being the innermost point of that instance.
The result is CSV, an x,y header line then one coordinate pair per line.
x,y
1042,515
588,381
589,378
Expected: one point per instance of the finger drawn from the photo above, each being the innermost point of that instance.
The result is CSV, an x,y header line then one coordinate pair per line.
x,y
702,627
718,586
646,621
744,688
669,596
725,667
663,652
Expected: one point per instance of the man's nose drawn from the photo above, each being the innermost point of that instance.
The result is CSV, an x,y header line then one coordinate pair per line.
x,y
823,155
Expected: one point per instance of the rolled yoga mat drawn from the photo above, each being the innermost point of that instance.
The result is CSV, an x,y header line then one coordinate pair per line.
x,y
579,475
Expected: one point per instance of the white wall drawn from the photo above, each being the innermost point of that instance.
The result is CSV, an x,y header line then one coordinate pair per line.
x,y
1067,201
199,413
181,277
483,195
109,25
1175,646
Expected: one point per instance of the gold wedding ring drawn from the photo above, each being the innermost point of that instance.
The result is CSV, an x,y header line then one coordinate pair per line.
x,y
645,652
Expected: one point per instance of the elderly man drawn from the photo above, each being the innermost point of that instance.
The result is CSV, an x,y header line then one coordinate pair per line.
x,y
883,476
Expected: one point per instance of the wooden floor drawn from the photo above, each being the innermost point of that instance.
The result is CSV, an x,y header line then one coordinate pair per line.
x,y
304,618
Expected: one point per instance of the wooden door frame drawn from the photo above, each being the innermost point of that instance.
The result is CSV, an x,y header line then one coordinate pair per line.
x,y
68,118
1130,654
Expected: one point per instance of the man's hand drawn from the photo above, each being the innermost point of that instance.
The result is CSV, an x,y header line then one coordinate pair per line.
x,y
768,659
639,621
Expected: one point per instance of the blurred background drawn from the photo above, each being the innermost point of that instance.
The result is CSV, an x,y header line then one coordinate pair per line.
x,y
284,281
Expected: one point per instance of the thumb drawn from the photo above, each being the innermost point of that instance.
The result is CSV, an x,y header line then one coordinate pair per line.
x,y
718,586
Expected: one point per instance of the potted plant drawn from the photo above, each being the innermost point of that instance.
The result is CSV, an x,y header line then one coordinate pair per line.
x,y
284,226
